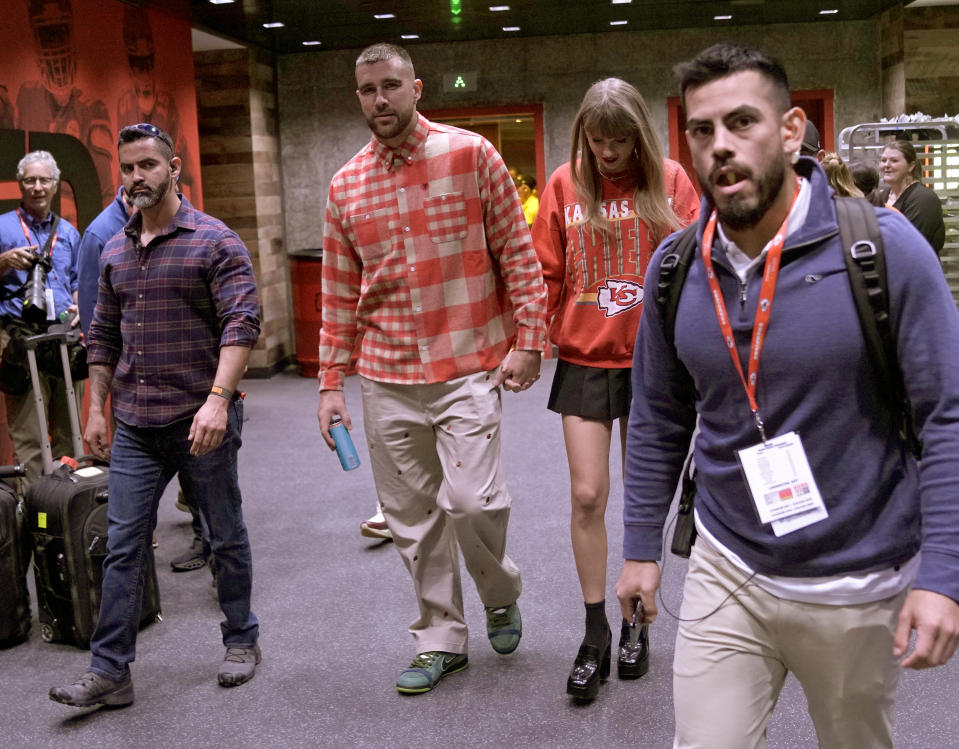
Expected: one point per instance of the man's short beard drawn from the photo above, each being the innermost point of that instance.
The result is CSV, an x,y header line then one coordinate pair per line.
x,y
152,198
393,132
739,216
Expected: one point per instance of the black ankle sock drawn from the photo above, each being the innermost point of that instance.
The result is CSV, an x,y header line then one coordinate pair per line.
x,y
597,625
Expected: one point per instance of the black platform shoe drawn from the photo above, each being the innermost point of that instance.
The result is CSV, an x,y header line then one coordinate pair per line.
x,y
633,651
590,668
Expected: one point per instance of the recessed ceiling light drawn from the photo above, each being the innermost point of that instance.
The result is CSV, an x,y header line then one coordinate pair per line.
x,y
622,2
722,18
511,28
273,25
409,36
829,12
618,23
220,2
383,16
311,43
498,8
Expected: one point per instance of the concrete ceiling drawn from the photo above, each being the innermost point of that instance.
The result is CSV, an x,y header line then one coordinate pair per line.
x,y
345,24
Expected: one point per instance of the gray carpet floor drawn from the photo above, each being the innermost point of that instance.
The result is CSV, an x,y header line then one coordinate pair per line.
x,y
334,608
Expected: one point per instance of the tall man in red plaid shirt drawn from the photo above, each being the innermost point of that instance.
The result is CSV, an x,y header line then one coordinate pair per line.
x,y
427,258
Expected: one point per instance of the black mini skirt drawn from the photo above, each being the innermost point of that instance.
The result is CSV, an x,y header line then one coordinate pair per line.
x,y
591,392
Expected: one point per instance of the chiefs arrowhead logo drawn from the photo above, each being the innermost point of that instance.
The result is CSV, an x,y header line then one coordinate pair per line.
x,y
618,296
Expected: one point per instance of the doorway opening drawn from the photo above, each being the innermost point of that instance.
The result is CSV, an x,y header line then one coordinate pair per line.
x,y
515,130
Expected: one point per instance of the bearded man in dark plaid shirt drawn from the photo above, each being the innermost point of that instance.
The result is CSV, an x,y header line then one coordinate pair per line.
x,y
176,316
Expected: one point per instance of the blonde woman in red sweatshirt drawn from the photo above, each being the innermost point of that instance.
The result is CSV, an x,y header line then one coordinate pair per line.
x,y
600,218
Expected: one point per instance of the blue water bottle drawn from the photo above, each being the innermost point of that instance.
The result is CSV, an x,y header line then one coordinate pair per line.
x,y
345,449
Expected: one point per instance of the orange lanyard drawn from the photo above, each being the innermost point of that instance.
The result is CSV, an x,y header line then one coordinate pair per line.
x,y
763,308
26,233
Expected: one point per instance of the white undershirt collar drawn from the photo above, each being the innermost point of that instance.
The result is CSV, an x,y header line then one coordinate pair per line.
x,y
741,263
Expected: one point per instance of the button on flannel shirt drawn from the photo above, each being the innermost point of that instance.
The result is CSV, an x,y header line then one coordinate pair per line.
x,y
428,260
164,310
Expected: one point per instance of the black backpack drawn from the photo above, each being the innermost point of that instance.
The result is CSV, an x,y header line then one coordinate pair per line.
x,y
866,266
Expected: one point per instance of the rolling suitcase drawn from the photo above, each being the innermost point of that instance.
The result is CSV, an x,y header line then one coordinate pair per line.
x,y
14,558
67,519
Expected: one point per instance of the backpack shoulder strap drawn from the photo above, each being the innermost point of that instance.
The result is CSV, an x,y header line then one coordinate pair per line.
x,y
865,259
672,276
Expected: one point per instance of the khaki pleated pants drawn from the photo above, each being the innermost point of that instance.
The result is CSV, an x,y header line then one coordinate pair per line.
x,y
435,455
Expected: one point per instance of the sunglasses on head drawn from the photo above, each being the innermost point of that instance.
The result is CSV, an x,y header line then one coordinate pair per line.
x,y
147,129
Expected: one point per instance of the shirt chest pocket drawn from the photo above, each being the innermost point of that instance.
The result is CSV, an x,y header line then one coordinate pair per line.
x,y
446,217
370,234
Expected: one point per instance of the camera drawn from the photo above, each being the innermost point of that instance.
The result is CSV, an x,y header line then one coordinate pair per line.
x,y
35,291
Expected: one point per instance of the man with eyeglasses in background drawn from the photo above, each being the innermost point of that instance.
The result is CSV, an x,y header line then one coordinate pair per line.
x,y
30,231
176,316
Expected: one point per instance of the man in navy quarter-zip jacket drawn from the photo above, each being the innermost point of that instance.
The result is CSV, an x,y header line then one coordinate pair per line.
x,y
811,510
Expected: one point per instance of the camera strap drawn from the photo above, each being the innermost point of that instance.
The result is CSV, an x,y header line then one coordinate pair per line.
x,y
45,252
47,249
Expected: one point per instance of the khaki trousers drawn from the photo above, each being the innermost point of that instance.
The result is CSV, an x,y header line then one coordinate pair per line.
x,y
435,455
729,668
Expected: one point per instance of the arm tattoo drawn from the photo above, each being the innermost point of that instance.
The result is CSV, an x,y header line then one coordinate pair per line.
x,y
100,380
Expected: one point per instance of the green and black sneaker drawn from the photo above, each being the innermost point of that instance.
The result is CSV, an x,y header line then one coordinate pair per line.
x,y
504,626
427,669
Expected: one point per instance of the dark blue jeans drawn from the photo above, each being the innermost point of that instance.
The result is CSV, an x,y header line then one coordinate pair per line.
x,y
142,462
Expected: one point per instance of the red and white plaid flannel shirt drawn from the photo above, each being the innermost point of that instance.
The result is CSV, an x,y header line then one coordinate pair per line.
x,y
427,257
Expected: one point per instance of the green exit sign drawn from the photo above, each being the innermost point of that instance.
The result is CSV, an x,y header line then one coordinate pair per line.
x,y
463,81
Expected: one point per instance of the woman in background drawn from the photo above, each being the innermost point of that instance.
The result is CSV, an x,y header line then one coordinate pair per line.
x,y
901,171
839,177
600,218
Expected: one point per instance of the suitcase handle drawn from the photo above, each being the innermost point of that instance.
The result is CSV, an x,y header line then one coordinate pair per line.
x,y
7,472
64,336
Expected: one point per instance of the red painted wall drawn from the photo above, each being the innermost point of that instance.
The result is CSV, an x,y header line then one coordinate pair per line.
x,y
74,67
72,73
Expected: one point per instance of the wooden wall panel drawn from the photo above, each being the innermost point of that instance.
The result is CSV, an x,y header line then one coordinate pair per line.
x,y
239,155
931,47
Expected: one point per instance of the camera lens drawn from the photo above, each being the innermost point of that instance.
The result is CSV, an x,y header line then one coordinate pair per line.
x,y
34,296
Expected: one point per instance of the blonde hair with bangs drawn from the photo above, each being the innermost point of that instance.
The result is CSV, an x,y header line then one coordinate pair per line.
x,y
614,108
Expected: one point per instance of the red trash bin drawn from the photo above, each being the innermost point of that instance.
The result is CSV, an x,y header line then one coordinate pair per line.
x,y
306,269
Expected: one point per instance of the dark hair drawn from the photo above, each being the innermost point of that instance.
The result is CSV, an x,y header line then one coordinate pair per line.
x,y
722,60
909,154
382,52
133,133
866,177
